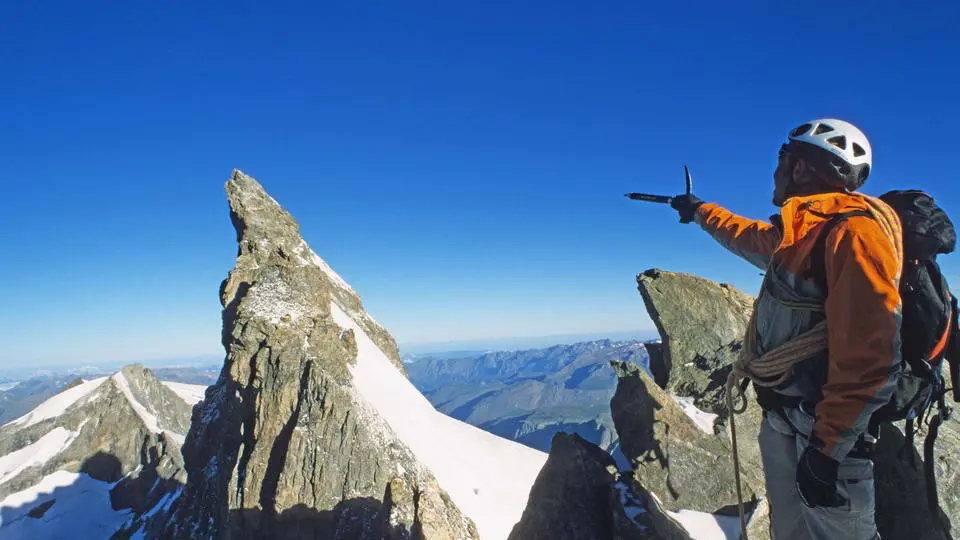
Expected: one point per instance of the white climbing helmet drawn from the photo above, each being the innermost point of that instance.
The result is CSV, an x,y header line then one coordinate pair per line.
x,y
843,140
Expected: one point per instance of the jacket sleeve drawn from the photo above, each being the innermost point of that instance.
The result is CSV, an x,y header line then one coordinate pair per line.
x,y
863,320
750,239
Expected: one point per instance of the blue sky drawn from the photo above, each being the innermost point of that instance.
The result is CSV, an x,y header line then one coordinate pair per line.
x,y
461,164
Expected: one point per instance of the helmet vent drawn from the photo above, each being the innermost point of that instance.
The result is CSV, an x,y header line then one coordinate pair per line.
x,y
839,141
858,150
801,130
822,128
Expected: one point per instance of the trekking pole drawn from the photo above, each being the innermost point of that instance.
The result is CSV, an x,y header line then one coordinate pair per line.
x,y
662,199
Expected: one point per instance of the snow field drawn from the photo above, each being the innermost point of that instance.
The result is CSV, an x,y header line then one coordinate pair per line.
x,y
191,393
36,454
81,510
488,477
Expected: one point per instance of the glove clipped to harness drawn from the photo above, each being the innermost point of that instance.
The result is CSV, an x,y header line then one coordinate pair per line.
x,y
817,480
686,205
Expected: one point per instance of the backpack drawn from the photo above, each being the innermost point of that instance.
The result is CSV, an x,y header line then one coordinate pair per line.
x,y
929,327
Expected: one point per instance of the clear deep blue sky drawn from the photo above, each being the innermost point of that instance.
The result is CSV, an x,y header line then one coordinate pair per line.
x,y
461,164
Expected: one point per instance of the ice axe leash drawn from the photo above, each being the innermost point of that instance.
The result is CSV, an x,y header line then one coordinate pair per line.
x,y
662,199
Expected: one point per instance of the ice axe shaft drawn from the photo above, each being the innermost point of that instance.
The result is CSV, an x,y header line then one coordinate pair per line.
x,y
646,197
663,199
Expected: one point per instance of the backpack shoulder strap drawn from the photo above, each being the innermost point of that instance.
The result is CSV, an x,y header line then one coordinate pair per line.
x,y
818,255
953,349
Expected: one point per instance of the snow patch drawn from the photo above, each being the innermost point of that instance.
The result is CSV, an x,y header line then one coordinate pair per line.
x,y
703,420
488,478
703,525
81,509
56,405
38,453
191,393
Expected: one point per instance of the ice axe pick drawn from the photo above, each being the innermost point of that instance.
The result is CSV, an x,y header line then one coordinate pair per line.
x,y
662,199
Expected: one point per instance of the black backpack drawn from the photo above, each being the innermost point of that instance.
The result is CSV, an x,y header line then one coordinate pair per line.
x,y
928,328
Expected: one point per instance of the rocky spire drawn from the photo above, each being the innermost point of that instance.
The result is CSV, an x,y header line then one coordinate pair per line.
x,y
285,445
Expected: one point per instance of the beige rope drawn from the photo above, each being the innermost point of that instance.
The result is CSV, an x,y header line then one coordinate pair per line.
x,y
774,367
771,369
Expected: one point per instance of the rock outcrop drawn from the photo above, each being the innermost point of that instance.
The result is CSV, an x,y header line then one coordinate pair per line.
x,y
312,430
701,325
669,453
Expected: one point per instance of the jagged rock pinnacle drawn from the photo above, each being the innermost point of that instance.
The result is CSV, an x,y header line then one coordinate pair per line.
x,y
284,446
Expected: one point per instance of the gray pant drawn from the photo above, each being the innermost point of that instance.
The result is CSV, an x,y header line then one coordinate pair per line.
x,y
790,519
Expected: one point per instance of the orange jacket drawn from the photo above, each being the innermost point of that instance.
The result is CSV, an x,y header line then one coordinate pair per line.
x,y
861,304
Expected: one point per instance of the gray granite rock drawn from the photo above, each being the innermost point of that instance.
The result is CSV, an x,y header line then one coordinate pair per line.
x,y
701,325
671,456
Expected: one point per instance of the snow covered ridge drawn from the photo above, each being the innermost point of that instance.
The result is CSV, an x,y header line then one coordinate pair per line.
x,y
37,453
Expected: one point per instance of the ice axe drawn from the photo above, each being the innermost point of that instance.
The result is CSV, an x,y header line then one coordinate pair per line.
x,y
662,199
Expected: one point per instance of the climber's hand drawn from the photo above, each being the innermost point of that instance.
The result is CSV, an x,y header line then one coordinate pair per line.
x,y
686,205
817,479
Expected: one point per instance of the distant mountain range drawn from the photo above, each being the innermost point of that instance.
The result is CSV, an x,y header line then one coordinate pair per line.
x,y
464,348
530,395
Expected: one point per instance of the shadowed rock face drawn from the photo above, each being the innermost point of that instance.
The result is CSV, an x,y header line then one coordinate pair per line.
x,y
282,446
670,455
579,494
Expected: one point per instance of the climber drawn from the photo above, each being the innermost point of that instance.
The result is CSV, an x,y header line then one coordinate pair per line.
x,y
831,254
